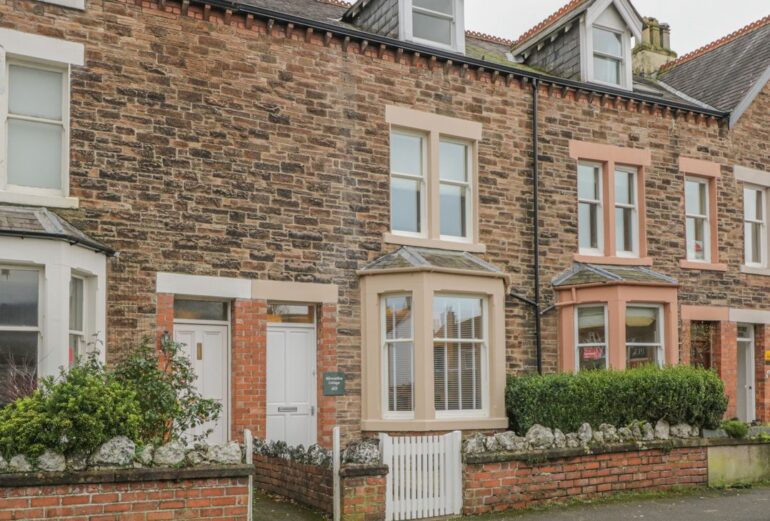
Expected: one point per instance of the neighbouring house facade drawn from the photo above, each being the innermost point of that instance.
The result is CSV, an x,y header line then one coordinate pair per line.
x,y
336,208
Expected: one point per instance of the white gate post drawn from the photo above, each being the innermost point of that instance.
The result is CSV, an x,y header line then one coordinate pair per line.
x,y
336,457
386,452
248,446
456,456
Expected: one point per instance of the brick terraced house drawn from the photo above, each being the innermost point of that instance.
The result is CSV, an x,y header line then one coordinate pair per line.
x,y
338,210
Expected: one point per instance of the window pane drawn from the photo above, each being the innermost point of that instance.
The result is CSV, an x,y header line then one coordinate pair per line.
x,y
76,304
18,362
588,182
405,205
201,310
453,163
457,376
35,92
18,297
400,377
607,70
642,325
696,239
440,6
744,331
625,188
406,154
34,154
591,328
696,198
453,210
284,313
759,205
592,358
458,318
398,318
77,348
750,204
624,229
638,356
588,224
755,249
608,42
432,28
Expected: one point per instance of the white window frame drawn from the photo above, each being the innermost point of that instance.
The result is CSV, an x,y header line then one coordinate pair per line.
x,y
705,218
40,306
763,229
387,414
467,184
475,413
406,25
424,183
661,347
634,207
82,333
622,59
606,343
599,250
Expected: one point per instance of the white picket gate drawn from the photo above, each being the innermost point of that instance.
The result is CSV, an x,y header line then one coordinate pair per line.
x,y
425,476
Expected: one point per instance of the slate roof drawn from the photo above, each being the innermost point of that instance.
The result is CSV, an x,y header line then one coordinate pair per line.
x,y
41,223
427,259
723,72
568,10
581,274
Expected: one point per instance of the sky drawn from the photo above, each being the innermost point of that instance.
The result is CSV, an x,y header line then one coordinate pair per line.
x,y
694,23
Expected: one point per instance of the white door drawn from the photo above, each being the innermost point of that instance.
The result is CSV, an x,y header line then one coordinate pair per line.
x,y
291,384
746,374
207,347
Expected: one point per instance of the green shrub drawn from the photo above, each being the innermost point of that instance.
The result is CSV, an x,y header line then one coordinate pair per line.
x,y
76,412
565,401
164,382
736,429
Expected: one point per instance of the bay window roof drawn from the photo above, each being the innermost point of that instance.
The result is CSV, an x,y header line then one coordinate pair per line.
x,y
582,274
408,258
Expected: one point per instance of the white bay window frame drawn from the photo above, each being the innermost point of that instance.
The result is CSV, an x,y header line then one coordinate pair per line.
x,y
386,342
406,24
659,346
580,345
49,54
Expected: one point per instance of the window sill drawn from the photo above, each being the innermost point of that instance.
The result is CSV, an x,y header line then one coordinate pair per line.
x,y
614,261
437,425
704,266
51,201
752,270
391,238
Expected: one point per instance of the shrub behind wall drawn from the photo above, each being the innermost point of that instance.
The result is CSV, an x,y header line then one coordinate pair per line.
x,y
677,394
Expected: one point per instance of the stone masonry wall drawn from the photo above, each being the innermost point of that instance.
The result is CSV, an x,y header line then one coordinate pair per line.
x,y
220,147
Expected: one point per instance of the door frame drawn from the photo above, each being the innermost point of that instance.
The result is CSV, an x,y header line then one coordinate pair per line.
x,y
748,344
229,393
314,329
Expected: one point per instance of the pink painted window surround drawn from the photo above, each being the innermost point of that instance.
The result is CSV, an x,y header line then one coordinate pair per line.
x,y
611,343
619,207
700,209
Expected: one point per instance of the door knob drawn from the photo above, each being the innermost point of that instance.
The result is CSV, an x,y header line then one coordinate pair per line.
x,y
199,349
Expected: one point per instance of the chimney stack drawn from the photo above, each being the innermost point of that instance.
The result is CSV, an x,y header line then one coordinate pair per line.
x,y
654,50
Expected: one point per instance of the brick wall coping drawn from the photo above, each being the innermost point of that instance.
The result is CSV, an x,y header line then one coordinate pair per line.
x,y
32,479
548,455
355,471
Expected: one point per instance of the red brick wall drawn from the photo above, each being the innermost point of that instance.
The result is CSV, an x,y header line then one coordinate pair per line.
x,y
326,361
248,368
165,313
494,487
363,494
306,484
189,499
725,361
762,387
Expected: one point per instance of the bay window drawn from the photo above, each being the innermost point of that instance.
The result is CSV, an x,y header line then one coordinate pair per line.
x,y
19,325
77,336
407,183
398,350
697,215
626,222
458,353
591,337
755,226
644,334
608,59
590,221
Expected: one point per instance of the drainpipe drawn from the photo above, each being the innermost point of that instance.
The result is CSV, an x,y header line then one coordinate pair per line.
x,y
535,304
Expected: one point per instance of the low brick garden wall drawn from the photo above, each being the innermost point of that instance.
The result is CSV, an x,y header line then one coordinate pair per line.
x,y
202,493
310,485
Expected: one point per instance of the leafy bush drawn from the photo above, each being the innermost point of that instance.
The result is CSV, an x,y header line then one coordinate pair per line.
x,y
164,382
76,412
677,394
736,429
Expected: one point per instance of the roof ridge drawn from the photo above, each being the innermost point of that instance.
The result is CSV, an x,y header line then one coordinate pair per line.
x,y
753,26
550,20
478,35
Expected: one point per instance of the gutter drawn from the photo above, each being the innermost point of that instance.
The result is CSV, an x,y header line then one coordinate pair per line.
x,y
454,58
91,245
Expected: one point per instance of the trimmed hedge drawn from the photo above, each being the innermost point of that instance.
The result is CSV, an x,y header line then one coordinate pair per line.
x,y
678,394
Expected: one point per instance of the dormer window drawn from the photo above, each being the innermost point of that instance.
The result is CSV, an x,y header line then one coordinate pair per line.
x,y
608,56
437,23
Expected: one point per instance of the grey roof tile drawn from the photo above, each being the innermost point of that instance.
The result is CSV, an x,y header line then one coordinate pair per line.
x,y
581,274
408,257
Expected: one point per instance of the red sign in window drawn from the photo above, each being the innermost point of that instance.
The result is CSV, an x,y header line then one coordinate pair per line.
x,y
593,353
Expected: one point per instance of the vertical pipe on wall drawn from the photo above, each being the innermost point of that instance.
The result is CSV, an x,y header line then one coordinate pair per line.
x,y
536,224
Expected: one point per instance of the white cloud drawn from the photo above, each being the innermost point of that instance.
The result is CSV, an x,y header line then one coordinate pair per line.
x,y
694,23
